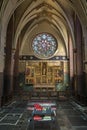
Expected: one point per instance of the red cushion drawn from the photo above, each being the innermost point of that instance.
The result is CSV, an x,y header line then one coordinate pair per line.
x,y
38,107
36,117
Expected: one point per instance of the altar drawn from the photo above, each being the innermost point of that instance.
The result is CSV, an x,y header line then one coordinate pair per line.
x,y
43,115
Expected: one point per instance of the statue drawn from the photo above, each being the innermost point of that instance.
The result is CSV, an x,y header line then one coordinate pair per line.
x,y
44,68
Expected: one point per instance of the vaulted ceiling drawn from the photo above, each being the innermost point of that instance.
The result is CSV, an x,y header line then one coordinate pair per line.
x,y
35,16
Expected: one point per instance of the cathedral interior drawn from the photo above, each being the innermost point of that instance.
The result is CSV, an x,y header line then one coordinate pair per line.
x,y
43,64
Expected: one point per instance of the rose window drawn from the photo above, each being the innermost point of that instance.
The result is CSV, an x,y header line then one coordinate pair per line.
x,y
44,45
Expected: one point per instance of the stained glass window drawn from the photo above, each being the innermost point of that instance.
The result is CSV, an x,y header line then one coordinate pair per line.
x,y
44,45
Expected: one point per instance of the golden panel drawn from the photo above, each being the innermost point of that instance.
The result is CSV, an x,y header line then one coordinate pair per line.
x,y
43,73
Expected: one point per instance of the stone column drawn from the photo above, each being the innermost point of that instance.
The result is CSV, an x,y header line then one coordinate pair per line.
x,y
16,69
1,77
8,77
71,64
79,56
75,71
85,58
8,58
12,72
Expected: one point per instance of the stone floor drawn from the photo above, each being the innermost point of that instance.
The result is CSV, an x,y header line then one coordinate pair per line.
x,y
69,117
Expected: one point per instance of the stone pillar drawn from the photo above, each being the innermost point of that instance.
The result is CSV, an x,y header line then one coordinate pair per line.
x,y
16,69
7,90
85,59
1,77
12,72
71,64
75,71
79,56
